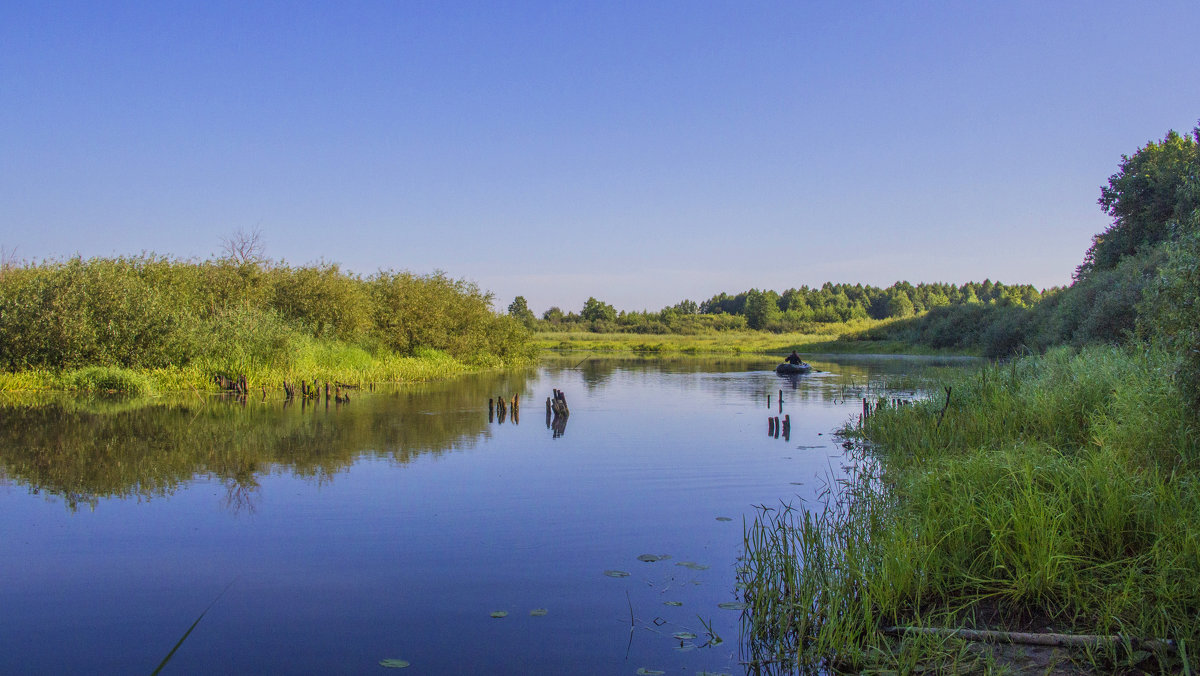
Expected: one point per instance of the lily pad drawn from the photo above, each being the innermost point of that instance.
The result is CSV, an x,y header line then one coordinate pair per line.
x,y
499,613
693,565
616,573
652,558
650,672
733,605
684,635
394,664
672,603
724,518
538,612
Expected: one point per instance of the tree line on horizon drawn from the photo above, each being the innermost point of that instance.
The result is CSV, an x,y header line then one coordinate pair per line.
x,y
795,309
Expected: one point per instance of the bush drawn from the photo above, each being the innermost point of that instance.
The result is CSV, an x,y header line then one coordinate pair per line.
x,y
107,379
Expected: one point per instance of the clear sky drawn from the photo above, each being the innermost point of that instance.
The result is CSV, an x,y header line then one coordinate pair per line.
x,y
640,152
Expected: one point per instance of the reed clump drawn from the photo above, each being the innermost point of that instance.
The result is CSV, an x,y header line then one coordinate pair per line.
x,y
1060,491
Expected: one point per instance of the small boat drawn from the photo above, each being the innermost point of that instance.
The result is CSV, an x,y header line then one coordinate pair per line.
x,y
787,368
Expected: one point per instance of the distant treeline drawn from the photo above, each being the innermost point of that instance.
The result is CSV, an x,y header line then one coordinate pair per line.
x,y
149,312
793,310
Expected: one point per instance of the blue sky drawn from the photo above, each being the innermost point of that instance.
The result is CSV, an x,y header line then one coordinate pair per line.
x,y
640,152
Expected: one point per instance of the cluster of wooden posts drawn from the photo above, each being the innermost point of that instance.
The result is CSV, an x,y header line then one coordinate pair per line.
x,y
499,408
235,385
775,426
314,390
557,413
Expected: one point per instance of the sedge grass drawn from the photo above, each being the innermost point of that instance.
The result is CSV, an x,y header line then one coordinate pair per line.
x,y
1060,490
831,339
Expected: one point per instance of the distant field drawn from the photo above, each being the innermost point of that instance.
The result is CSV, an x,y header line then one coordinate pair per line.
x,y
728,342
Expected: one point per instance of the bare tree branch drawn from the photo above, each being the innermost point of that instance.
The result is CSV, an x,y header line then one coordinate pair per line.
x,y
8,259
244,247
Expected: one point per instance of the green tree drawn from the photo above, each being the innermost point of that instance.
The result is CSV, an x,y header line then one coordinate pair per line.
x,y
899,304
762,308
519,310
598,311
1147,198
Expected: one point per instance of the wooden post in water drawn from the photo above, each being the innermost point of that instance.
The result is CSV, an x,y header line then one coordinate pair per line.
x,y
776,427
787,427
768,401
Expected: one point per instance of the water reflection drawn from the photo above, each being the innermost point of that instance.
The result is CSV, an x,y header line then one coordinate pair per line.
x,y
85,450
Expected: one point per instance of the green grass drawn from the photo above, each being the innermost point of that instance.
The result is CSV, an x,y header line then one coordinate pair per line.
x,y
1060,490
310,359
831,339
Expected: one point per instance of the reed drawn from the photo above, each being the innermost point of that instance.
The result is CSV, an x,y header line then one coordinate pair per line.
x,y
1058,490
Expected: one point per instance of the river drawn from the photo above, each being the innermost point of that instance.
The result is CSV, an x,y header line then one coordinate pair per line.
x,y
405,525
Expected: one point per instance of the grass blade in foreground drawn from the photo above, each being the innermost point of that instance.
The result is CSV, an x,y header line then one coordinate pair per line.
x,y
189,630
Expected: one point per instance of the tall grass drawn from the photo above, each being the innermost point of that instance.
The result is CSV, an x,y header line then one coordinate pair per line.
x,y
1059,489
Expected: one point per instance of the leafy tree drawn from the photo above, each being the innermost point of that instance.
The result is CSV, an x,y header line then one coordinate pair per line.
x,y
1147,198
899,304
687,307
519,310
762,308
598,311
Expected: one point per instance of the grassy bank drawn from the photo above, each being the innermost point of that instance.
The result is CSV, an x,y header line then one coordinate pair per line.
x,y
830,339
315,361
1059,492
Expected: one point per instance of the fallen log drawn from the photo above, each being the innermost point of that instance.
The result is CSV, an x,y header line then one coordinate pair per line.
x,y
1031,638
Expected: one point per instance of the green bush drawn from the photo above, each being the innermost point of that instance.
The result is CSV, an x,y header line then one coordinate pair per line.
x,y
107,379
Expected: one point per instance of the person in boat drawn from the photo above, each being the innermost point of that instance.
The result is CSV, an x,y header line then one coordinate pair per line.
x,y
793,359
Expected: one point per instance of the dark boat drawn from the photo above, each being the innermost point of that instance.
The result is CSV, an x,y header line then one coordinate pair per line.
x,y
787,368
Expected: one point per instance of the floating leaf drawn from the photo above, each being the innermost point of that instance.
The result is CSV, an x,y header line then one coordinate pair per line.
x,y
616,573
651,558
672,603
499,613
393,664
724,518
732,606
684,635
650,672
693,565
685,647
538,612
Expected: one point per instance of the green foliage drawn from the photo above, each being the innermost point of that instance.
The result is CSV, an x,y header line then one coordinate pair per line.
x,y
1057,485
235,317
1170,313
1148,198
108,379
519,310
598,311
324,299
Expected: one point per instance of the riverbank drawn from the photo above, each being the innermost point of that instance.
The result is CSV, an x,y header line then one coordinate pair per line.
x,y
833,341
1058,493
324,362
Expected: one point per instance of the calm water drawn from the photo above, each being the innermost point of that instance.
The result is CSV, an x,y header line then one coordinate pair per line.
x,y
393,527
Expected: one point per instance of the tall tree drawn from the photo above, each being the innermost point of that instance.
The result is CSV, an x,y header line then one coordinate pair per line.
x,y
1148,199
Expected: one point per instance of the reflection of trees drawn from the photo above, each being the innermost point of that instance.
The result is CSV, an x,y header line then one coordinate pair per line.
x,y
83,451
